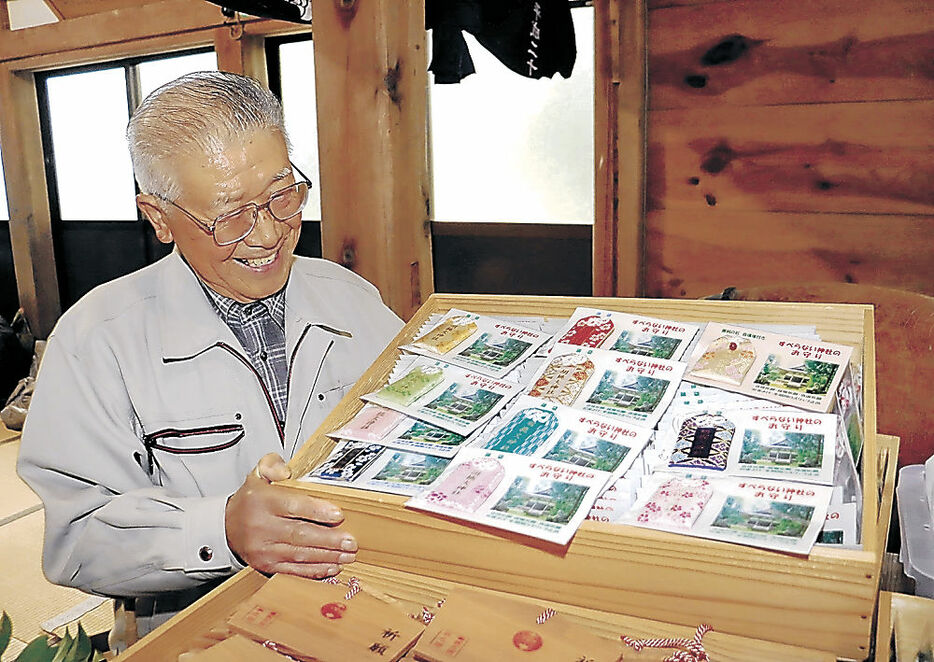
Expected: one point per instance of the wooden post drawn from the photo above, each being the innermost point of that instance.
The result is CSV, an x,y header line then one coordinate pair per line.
x,y
30,219
619,146
4,16
240,53
370,70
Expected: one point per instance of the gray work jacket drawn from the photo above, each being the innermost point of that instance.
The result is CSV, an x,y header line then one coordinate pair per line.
x,y
147,415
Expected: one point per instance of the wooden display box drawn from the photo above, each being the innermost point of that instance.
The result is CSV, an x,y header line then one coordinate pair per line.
x,y
824,602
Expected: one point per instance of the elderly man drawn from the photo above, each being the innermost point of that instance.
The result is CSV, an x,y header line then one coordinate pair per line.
x,y
168,397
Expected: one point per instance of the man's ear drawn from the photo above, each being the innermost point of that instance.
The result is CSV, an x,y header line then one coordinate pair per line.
x,y
151,208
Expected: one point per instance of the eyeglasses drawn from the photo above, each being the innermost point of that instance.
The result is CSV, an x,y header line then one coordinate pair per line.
x,y
284,205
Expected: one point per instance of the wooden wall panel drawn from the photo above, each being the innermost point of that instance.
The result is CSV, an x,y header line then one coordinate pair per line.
x,y
699,253
789,142
659,4
856,158
766,52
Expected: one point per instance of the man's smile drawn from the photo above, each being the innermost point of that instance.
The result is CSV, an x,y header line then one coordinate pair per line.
x,y
258,262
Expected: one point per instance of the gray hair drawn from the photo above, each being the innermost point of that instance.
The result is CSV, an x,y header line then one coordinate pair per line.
x,y
197,114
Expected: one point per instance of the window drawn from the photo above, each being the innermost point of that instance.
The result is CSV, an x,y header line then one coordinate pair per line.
x,y
84,116
297,91
87,119
509,148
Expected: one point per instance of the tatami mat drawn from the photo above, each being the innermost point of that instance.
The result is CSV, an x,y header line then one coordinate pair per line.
x,y
6,433
15,648
25,594
15,497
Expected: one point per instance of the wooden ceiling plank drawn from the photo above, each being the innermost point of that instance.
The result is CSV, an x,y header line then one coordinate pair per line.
x,y
135,23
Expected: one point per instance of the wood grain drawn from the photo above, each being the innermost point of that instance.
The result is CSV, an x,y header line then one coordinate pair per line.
x,y
124,32
759,52
855,158
699,253
370,71
75,8
241,53
412,591
620,87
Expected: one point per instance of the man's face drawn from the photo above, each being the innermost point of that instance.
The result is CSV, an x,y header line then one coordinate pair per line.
x,y
249,171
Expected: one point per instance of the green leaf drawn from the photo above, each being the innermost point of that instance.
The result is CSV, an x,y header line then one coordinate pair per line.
x,y
37,650
6,632
64,648
83,648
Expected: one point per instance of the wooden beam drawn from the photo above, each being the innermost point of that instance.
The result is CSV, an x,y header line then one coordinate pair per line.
x,y
370,69
75,8
183,20
619,147
631,148
30,219
240,53
606,166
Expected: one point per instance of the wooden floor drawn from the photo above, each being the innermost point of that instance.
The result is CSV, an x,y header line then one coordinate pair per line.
x,y
32,603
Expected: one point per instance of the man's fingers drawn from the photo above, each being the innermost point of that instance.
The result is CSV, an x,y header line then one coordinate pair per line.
x,y
272,467
295,505
310,570
285,553
306,534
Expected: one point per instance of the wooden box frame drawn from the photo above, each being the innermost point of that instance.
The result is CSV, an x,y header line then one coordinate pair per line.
x,y
824,601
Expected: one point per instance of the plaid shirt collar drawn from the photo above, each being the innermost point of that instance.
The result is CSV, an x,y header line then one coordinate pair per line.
x,y
237,314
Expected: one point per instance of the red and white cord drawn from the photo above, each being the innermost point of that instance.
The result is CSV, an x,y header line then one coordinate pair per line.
x,y
692,650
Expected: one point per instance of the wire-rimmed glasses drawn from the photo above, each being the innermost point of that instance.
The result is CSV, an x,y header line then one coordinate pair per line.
x,y
284,205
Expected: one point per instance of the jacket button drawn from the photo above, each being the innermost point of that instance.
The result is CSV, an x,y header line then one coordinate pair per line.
x,y
206,553
321,396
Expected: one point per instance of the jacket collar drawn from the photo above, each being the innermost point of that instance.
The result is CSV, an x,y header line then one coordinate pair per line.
x,y
189,324
187,320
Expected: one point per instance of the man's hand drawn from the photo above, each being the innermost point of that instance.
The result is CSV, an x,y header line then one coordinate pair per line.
x,y
275,529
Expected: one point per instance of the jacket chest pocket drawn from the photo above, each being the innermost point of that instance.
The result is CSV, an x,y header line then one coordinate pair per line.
x,y
193,455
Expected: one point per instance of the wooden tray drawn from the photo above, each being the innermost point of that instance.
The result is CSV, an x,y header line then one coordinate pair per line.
x,y
412,591
825,601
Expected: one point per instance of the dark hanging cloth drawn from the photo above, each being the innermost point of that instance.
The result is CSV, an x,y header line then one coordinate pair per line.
x,y
297,11
534,38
